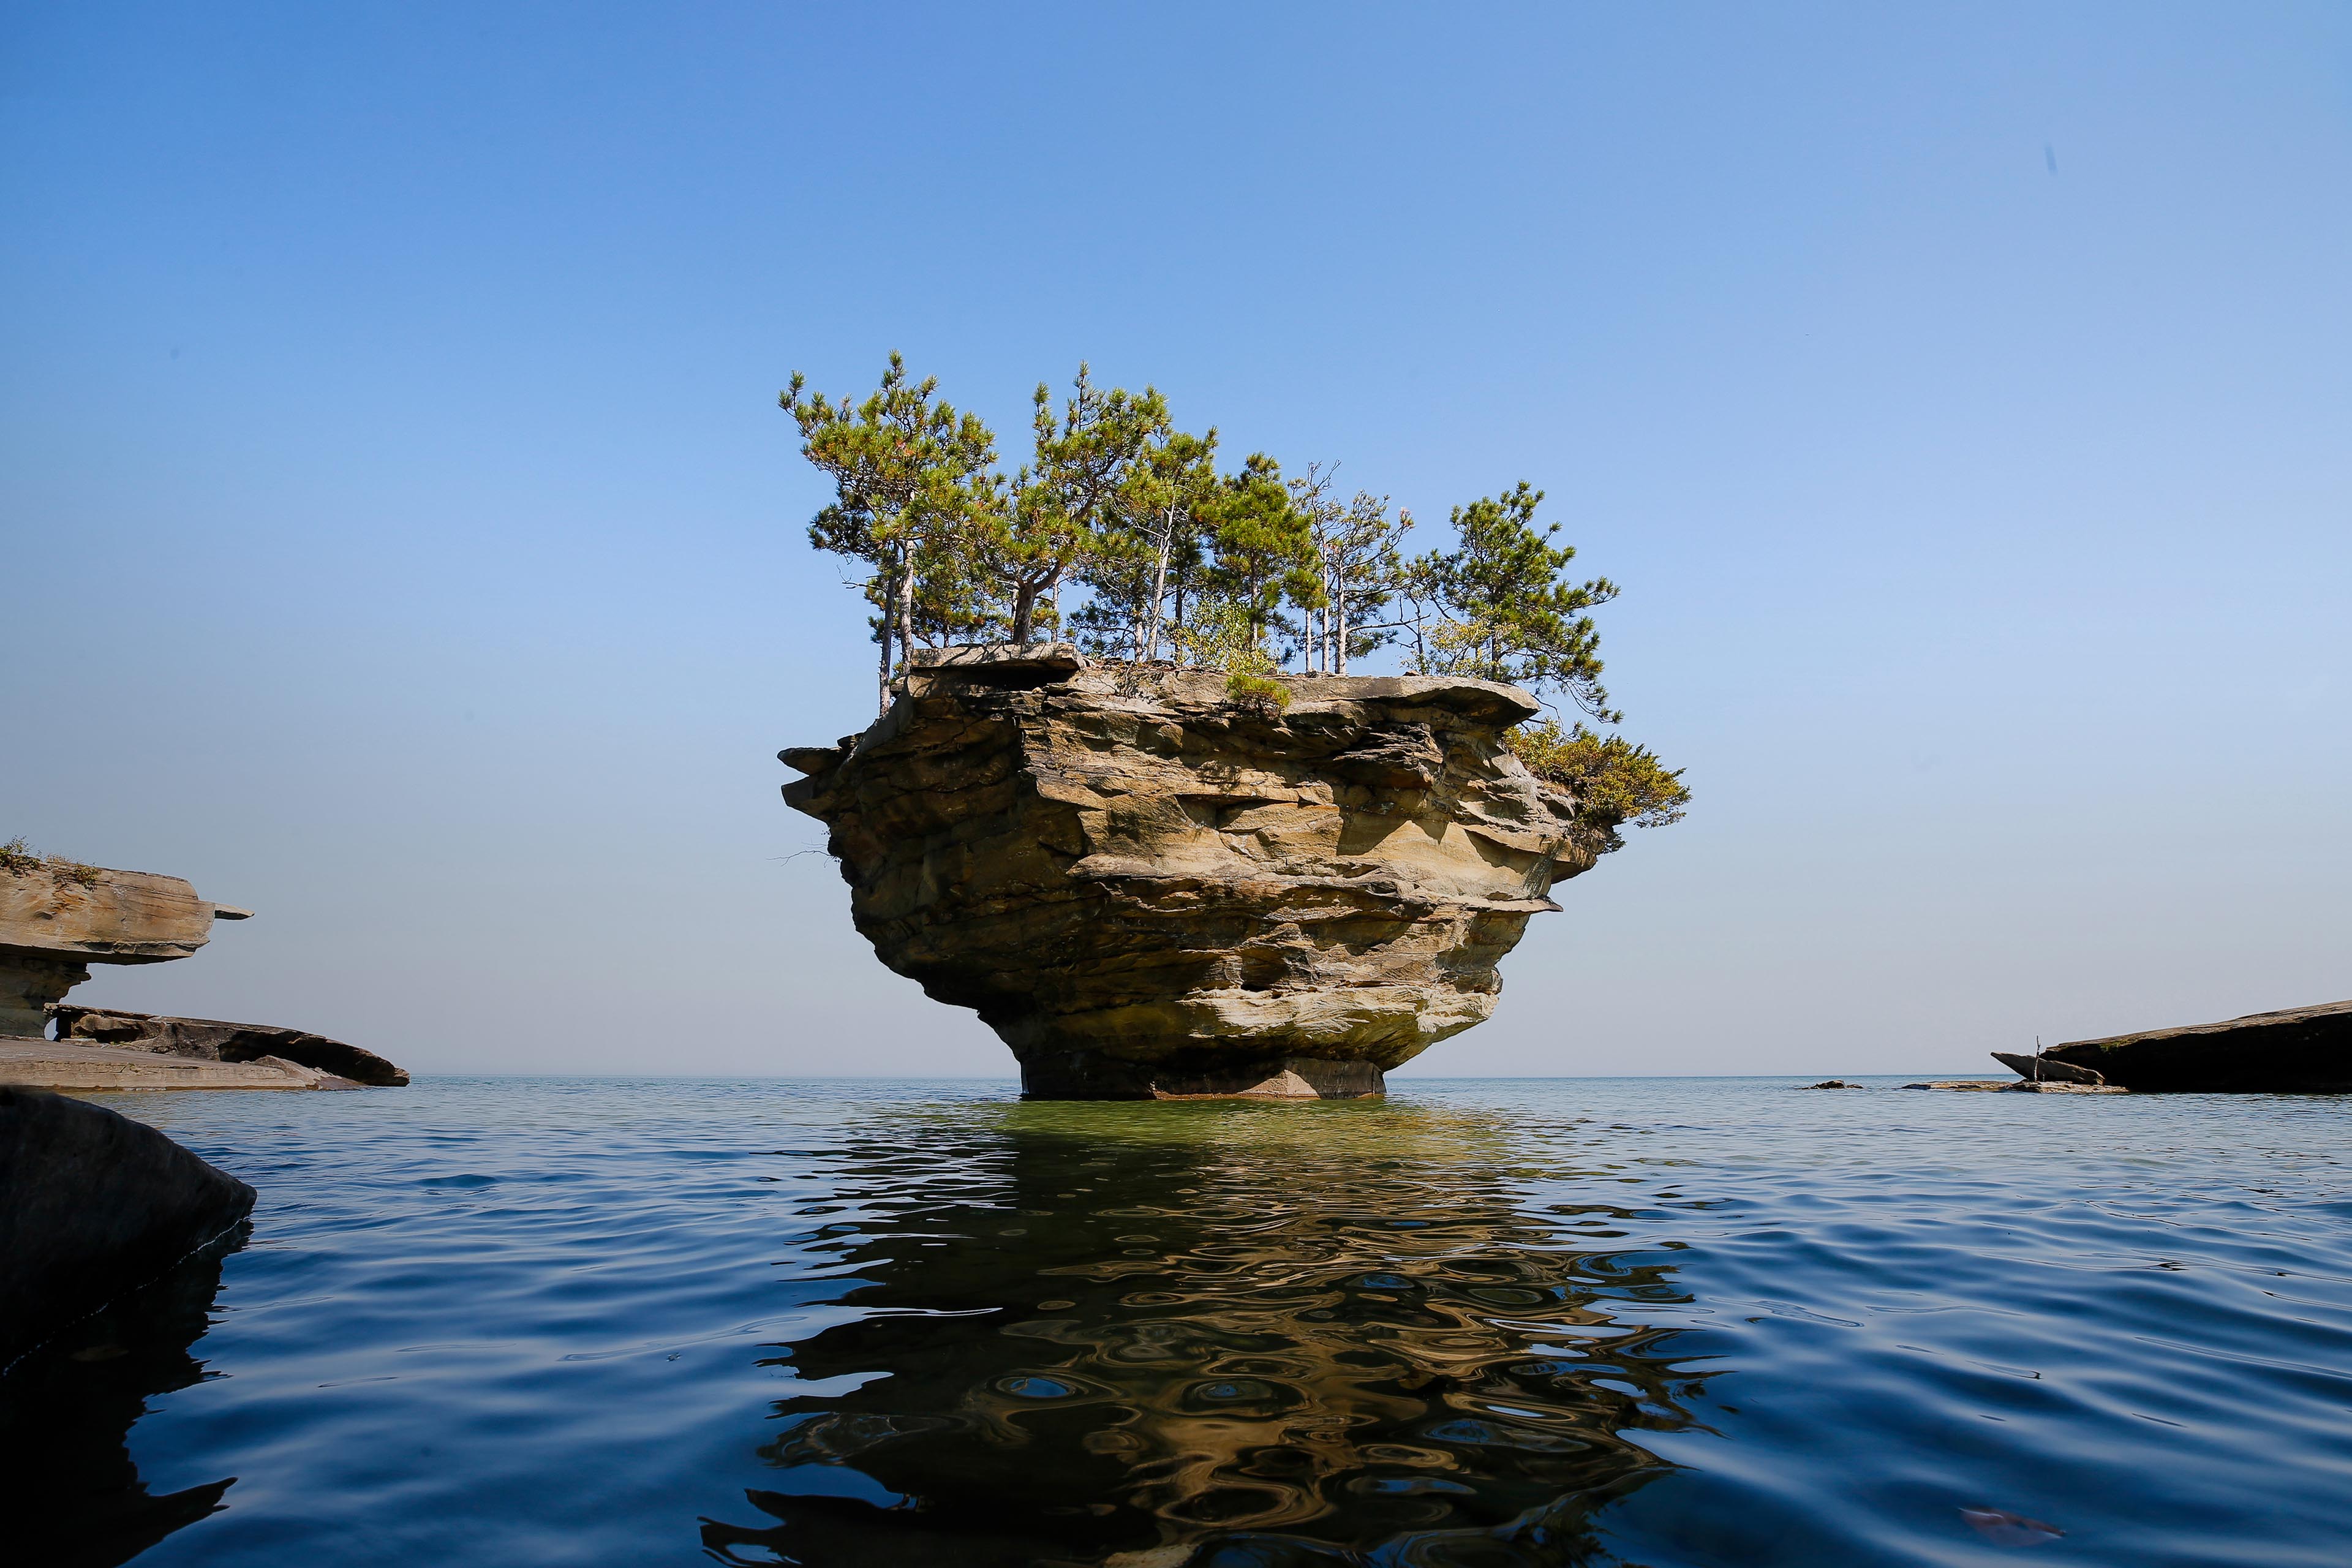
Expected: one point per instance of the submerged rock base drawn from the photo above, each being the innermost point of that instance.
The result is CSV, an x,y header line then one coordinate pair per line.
x,y
1096,1075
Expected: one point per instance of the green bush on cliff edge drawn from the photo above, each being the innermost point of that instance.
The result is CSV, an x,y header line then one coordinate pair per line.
x,y
1256,693
1614,780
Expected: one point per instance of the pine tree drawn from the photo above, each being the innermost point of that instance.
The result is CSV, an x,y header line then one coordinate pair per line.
x,y
1056,509
910,476
1151,534
1363,571
1263,548
1495,607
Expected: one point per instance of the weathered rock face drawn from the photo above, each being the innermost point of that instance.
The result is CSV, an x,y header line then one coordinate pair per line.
x,y
2301,1051
54,926
1150,892
213,1040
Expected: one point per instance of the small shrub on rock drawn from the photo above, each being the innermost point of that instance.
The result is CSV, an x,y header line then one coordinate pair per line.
x,y
19,859
1257,694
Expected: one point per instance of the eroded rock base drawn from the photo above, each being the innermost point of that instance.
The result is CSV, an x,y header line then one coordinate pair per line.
x,y
29,983
1089,1075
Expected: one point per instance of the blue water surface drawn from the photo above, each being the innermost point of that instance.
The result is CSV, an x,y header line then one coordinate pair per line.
x,y
1649,1322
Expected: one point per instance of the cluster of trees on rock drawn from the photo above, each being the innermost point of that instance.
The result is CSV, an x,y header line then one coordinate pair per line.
x,y
1246,569
1163,556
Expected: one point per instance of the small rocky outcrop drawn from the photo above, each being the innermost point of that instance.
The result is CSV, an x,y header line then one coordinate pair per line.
x,y
1151,891
2300,1050
58,919
92,1204
2046,1068
210,1039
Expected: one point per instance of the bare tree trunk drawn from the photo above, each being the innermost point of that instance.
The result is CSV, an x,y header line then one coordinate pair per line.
x,y
882,636
1160,577
907,609
1335,626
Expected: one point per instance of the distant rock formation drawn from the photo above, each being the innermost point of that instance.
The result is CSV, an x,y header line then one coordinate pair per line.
x,y
210,1039
57,920
1149,891
92,1205
2301,1051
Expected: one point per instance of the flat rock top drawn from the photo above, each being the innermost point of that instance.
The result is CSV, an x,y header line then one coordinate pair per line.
x,y
118,917
1062,666
65,1066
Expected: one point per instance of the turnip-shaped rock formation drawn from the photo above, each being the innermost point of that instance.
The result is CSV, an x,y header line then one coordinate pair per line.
x,y
1151,891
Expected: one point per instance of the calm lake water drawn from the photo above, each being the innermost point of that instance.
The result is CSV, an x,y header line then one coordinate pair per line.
x,y
1662,1322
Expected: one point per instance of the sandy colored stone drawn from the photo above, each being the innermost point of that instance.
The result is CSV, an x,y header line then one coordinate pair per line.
x,y
1150,892
54,925
48,1064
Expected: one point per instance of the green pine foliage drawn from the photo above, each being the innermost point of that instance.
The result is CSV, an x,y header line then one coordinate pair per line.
x,y
1615,781
1496,607
1258,694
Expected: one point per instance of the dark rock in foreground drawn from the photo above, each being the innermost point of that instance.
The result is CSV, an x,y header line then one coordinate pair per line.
x,y
1152,892
2301,1050
92,1204
212,1040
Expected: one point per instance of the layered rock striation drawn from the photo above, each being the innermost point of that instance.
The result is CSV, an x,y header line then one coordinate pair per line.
x,y
1151,891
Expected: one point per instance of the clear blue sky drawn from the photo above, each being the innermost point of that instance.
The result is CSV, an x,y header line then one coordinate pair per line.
x,y
401,538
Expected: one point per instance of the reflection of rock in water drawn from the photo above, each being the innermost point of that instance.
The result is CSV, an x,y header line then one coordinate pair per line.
x,y
69,1494
1221,1340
